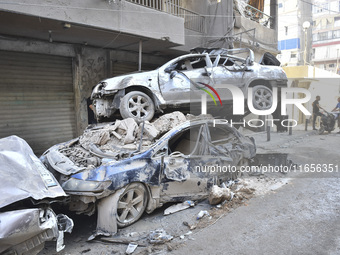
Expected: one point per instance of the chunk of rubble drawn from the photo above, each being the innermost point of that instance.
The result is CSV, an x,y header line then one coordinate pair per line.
x,y
179,207
218,195
150,131
159,236
169,121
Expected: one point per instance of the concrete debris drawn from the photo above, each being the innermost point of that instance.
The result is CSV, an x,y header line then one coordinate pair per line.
x,y
188,233
218,195
179,207
169,121
117,140
132,234
190,226
248,191
131,248
127,127
201,214
159,236
150,131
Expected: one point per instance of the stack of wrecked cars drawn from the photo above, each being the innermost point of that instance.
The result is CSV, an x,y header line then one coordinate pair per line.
x,y
122,169
181,82
27,191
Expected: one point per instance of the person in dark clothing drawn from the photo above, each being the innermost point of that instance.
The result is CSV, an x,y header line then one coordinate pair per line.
x,y
90,112
316,110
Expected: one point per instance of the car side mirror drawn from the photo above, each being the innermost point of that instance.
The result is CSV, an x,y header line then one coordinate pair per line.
x,y
173,74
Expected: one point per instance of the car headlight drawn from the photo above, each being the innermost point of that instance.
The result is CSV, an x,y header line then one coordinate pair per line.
x,y
97,89
78,185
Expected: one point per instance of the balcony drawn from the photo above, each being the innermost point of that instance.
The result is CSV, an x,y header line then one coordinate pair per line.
x,y
192,20
253,27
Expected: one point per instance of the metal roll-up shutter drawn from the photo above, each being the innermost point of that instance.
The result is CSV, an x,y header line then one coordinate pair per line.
x,y
36,98
120,68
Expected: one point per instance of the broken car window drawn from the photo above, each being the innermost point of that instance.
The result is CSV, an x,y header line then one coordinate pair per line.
x,y
220,135
188,142
189,64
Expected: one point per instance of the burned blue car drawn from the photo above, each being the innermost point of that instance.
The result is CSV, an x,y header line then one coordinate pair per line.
x,y
122,169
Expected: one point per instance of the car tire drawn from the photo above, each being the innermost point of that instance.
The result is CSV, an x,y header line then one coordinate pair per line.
x,y
137,105
321,130
262,97
131,204
238,174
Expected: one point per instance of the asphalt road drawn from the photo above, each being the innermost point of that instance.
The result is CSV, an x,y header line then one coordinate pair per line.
x,y
302,217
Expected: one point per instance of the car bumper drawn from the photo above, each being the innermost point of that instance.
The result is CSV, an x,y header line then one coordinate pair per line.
x,y
25,231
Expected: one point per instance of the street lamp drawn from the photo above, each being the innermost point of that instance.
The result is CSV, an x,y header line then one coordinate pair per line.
x,y
305,26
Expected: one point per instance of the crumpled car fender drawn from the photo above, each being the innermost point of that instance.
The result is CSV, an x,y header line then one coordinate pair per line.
x,y
107,212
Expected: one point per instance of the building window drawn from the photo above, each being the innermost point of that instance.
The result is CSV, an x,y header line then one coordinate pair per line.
x,y
336,34
322,36
319,8
315,37
337,22
293,55
280,5
286,30
331,65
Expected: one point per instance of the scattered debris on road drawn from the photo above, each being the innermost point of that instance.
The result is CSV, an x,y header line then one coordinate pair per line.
x,y
159,236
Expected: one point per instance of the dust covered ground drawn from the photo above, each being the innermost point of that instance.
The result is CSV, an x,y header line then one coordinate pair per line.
x,y
271,213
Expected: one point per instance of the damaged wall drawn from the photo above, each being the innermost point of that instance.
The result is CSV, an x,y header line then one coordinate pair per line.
x,y
89,66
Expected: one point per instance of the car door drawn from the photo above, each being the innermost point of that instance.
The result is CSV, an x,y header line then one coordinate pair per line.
x,y
176,82
183,171
223,145
227,71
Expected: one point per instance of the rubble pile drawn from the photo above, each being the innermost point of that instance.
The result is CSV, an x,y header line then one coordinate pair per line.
x,y
121,138
218,195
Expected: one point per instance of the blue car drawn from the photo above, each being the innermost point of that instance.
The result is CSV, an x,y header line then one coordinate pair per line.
x,y
121,178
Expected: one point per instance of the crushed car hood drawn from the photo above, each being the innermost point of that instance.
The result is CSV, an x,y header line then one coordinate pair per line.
x,y
23,175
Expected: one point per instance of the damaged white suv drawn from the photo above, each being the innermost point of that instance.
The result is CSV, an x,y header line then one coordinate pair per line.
x,y
178,84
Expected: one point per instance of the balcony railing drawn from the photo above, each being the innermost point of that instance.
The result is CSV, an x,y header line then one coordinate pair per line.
x,y
192,20
155,4
252,13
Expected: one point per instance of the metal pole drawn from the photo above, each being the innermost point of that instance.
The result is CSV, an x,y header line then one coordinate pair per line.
x,y
268,133
290,129
337,61
305,50
140,55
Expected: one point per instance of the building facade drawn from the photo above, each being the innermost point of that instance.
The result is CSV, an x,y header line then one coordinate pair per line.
x,y
294,32
326,35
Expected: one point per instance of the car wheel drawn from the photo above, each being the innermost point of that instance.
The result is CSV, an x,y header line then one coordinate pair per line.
x,y
262,97
137,105
131,204
238,173
321,130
